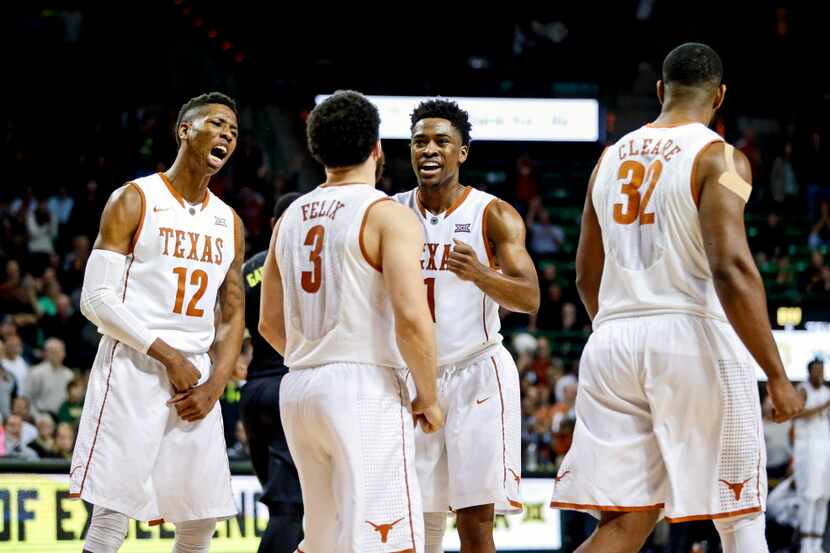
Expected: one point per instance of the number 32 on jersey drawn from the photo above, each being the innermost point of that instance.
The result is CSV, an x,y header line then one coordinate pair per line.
x,y
632,175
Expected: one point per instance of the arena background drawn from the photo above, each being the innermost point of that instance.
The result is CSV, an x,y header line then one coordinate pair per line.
x,y
92,95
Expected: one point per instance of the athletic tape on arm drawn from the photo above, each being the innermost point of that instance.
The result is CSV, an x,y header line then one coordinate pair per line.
x,y
731,179
100,302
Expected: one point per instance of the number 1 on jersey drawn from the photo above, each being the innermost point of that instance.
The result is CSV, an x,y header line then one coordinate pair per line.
x,y
430,282
312,280
633,173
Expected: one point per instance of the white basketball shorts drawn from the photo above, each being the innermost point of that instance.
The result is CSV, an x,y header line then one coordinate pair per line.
x,y
668,417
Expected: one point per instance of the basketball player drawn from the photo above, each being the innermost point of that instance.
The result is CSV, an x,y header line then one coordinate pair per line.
x,y
260,396
150,443
812,458
668,414
341,295
473,261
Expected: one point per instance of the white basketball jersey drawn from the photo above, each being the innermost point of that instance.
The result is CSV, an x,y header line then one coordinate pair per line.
x,y
180,257
654,257
467,320
337,308
816,427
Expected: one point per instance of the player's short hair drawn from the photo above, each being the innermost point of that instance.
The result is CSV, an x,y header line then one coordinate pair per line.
x,y
443,109
342,130
693,64
283,203
815,361
199,101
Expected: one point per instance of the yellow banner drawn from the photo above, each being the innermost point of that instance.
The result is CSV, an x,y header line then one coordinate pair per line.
x,y
39,517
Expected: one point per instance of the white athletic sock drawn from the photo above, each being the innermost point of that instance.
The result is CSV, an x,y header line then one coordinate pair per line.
x,y
743,534
434,526
107,531
193,536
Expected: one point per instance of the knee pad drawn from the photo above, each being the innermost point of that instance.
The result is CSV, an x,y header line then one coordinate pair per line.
x,y
107,531
434,526
193,536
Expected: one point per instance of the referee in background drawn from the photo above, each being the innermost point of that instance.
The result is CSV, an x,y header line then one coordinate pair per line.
x,y
260,413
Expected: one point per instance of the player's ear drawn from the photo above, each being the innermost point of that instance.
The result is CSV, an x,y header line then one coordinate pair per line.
x,y
661,91
719,96
184,126
377,151
463,152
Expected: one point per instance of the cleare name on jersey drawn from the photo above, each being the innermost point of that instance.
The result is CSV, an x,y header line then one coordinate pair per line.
x,y
325,208
194,246
649,147
429,262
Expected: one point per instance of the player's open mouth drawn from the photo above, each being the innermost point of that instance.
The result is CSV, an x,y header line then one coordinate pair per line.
x,y
218,154
429,168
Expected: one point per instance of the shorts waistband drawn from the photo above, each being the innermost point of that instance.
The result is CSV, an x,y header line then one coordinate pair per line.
x,y
461,364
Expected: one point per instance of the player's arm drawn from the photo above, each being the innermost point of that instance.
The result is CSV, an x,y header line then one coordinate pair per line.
x,y
195,404
400,243
516,286
271,307
807,413
590,253
104,277
725,185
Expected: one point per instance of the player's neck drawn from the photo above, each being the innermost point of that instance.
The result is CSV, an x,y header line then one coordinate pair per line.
x,y
438,199
187,181
361,174
674,114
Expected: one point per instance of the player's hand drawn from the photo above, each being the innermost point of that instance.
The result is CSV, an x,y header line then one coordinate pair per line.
x,y
464,262
786,402
182,374
195,404
429,416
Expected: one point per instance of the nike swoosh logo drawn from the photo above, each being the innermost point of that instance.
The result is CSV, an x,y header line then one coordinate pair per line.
x,y
480,401
156,209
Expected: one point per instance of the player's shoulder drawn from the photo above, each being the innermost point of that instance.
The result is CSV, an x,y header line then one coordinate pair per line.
x,y
404,197
713,159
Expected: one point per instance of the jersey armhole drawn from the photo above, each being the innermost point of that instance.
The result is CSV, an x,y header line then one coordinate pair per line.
x,y
694,186
375,266
140,227
491,257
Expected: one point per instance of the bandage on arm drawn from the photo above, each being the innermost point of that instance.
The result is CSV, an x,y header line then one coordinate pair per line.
x,y
731,179
101,304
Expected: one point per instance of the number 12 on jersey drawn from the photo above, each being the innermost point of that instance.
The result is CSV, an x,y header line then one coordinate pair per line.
x,y
632,174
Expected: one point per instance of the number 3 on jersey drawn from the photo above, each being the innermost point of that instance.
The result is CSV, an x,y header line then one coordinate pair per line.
x,y
633,173
312,280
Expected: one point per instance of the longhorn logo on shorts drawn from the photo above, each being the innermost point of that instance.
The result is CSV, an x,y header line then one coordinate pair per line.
x,y
737,488
516,477
383,529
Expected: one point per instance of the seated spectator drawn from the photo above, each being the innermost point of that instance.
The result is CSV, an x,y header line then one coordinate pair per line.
x,y
812,274
569,317
22,407
43,229
820,234
782,182
541,360
822,286
8,387
75,263
60,205
15,445
44,444
785,280
71,409
545,237
65,441
770,240
548,317
46,384
66,324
